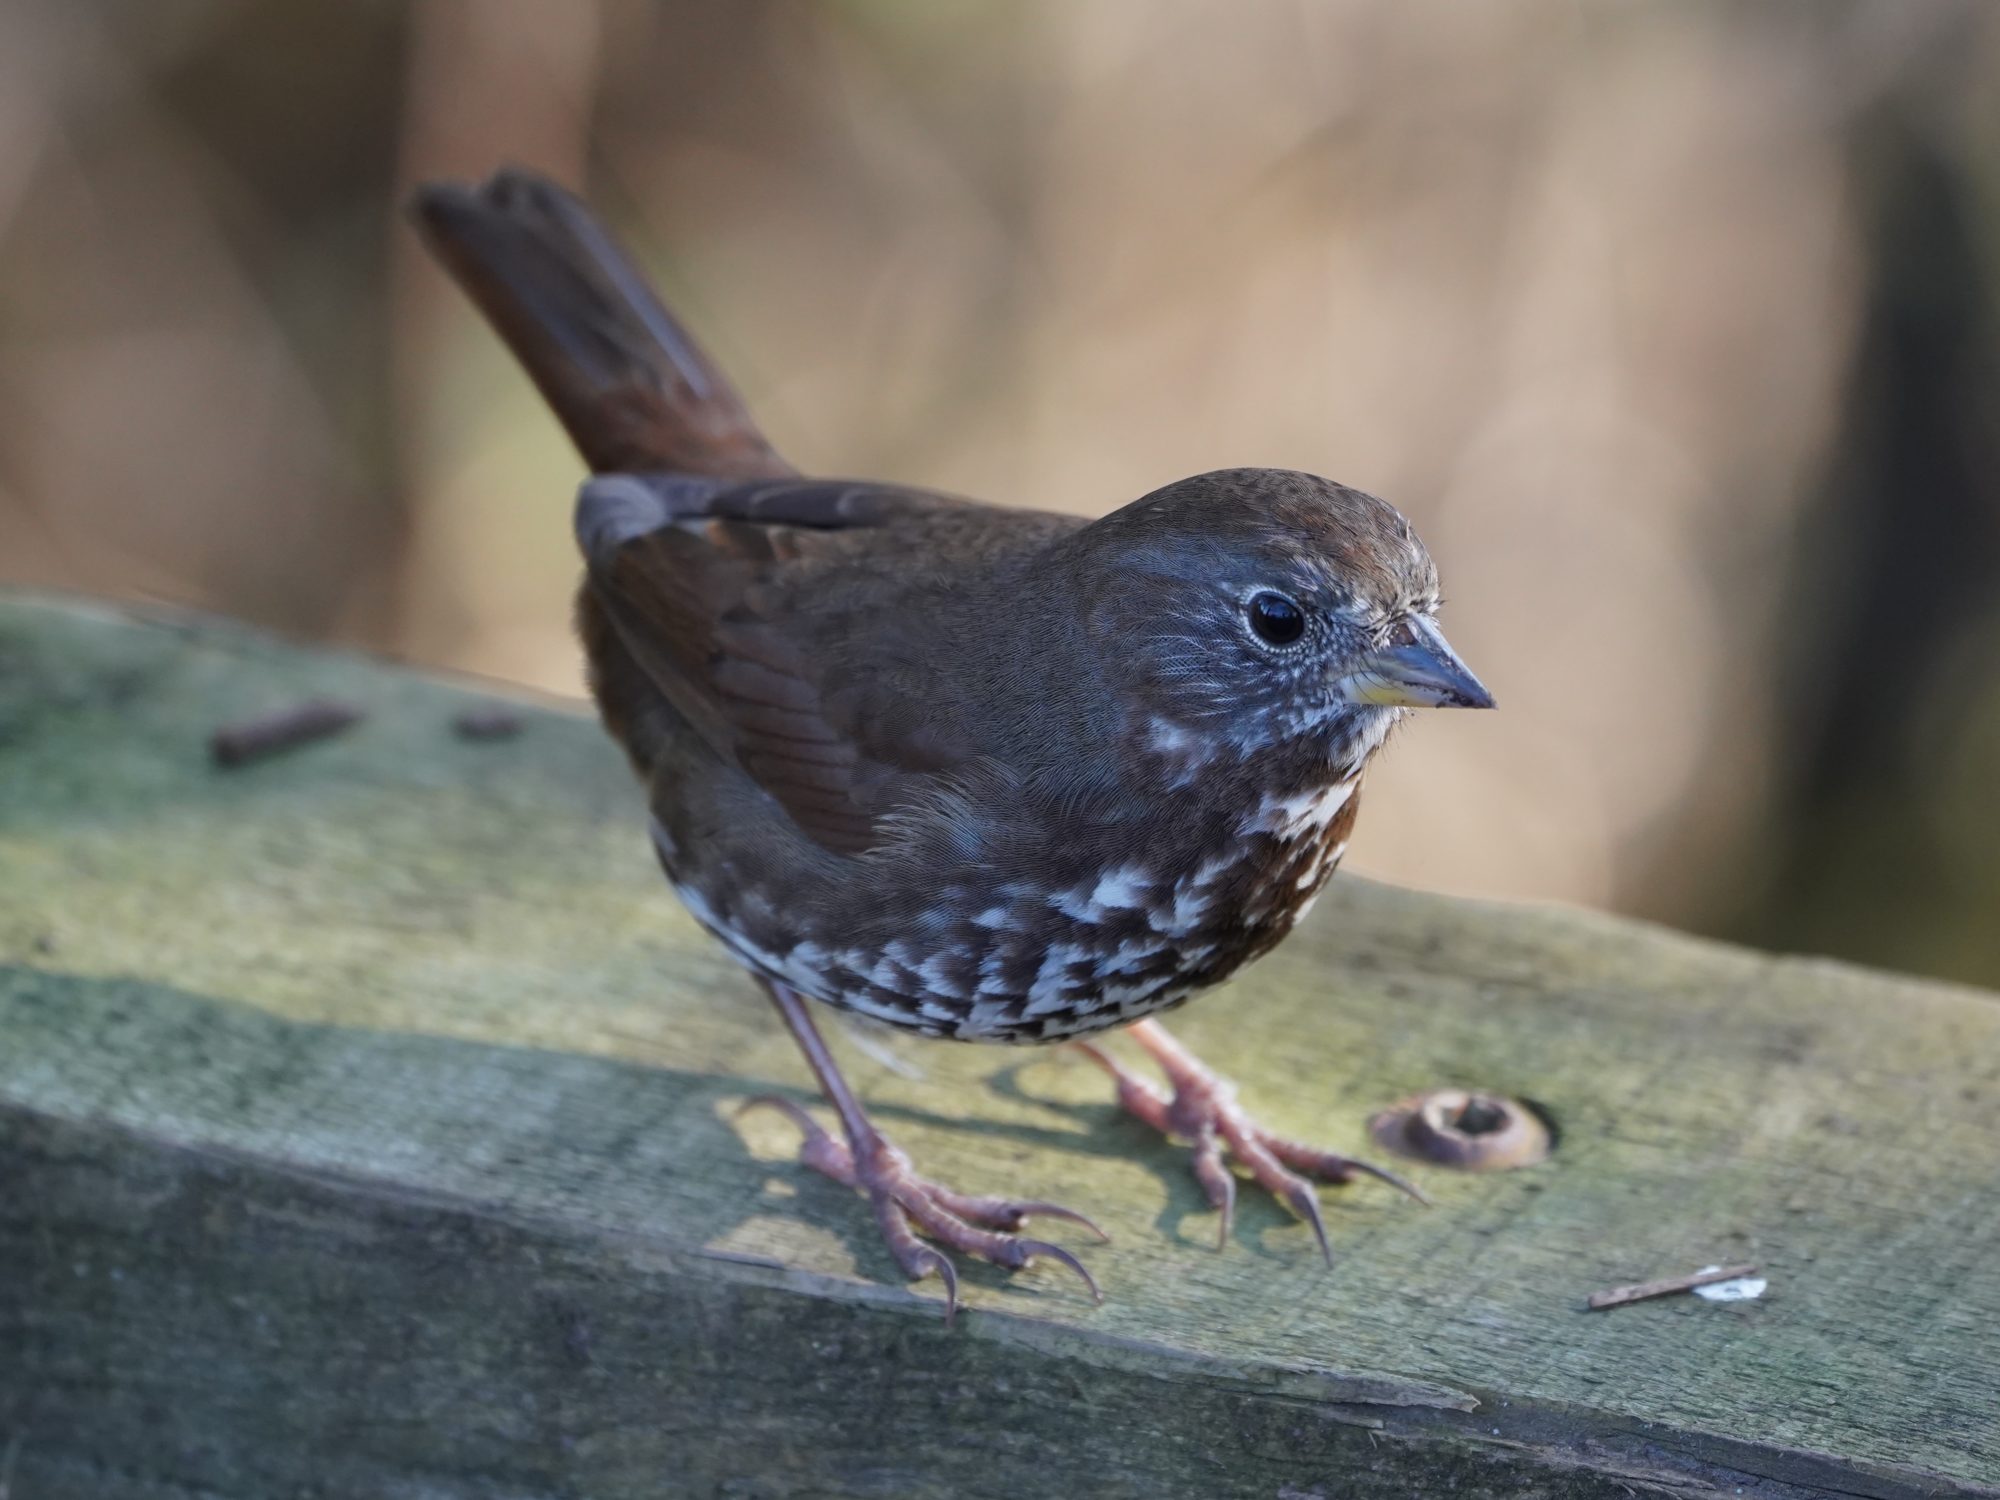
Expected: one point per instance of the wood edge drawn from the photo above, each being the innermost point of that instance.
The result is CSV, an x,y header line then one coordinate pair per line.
x,y
1561,1438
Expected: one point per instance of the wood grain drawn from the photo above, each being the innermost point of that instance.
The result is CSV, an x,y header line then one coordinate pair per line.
x,y
367,1128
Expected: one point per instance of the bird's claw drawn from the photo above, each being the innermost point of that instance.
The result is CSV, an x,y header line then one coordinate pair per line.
x,y
1203,1111
911,1211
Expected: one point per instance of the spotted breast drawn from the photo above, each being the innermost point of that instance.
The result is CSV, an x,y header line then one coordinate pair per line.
x,y
1022,955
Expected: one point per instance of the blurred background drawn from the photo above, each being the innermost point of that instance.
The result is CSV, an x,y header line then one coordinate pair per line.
x,y
1672,325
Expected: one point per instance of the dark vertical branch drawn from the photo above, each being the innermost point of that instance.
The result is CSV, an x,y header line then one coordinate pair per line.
x,y
1898,582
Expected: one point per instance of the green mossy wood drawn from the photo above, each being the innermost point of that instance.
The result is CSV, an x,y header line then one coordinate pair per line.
x,y
367,1127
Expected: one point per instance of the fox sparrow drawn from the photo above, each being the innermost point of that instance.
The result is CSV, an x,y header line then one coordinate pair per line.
x,y
982,773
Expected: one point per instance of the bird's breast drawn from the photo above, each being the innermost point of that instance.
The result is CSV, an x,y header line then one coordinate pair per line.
x,y
1077,941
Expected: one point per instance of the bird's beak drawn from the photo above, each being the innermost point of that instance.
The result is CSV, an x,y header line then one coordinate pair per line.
x,y
1422,673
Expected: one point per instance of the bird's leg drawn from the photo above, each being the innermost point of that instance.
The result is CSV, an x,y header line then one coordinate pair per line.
x,y
908,1209
1202,1110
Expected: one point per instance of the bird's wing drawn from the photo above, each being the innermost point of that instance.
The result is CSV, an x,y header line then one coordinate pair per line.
x,y
767,615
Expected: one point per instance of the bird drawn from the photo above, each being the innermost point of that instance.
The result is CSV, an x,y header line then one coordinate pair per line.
x,y
978,772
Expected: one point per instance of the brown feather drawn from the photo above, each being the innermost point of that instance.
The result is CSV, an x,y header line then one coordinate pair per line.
x,y
706,609
634,391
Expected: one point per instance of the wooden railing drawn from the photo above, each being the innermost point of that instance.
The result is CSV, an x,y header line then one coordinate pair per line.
x,y
367,1127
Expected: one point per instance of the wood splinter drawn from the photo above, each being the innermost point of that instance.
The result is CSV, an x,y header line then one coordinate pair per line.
x,y
1640,1291
254,739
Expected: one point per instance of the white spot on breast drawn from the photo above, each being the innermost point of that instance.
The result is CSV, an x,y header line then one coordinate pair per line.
x,y
990,981
1118,996
1190,905
1117,890
1131,955
1371,727
1193,900
1302,813
935,974
1050,989
1120,888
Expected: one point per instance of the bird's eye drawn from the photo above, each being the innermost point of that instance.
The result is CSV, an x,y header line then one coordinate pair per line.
x,y
1276,619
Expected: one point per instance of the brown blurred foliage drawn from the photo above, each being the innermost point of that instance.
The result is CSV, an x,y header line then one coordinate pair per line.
x,y
1671,325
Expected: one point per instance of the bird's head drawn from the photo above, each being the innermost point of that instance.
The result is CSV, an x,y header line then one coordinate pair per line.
x,y
1248,608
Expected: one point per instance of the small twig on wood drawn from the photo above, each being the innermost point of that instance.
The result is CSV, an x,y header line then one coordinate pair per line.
x,y
239,744
1618,1296
490,723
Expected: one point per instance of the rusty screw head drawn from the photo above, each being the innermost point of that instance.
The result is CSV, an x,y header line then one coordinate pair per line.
x,y
1473,1132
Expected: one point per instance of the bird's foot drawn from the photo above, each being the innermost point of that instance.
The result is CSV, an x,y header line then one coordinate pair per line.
x,y
909,1210
1203,1111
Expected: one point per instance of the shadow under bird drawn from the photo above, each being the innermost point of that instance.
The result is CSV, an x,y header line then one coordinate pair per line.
x,y
976,772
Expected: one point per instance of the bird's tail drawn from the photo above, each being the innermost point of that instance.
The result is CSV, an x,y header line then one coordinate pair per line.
x,y
632,389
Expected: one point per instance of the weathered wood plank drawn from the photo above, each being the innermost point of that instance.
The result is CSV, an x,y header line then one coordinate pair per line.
x,y
366,1127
